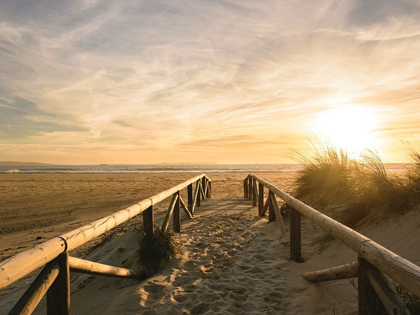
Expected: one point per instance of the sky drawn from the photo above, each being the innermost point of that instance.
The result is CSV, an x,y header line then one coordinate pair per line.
x,y
221,81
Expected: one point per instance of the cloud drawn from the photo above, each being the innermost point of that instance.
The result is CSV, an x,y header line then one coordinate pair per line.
x,y
228,76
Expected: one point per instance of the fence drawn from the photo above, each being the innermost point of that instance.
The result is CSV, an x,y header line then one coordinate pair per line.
x,y
376,294
54,279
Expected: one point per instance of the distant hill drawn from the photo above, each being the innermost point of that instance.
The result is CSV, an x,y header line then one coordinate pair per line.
x,y
14,163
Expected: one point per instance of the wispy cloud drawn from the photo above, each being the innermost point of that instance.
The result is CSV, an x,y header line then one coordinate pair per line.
x,y
147,81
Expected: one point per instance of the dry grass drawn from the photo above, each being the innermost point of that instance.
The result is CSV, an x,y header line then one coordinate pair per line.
x,y
156,250
349,189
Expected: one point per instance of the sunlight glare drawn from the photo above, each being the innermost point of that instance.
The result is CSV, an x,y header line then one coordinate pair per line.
x,y
350,128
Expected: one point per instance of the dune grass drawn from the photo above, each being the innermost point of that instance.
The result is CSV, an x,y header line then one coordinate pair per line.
x,y
156,250
351,188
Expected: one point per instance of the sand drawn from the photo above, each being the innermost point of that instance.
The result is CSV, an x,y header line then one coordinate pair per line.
x,y
234,262
36,207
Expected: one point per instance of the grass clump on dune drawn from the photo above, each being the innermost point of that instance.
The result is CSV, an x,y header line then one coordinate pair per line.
x,y
350,188
156,250
328,173
413,176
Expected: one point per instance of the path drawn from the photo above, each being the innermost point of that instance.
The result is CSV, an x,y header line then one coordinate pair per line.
x,y
230,268
231,265
234,263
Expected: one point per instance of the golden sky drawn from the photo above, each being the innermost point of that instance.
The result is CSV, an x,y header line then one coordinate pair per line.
x,y
226,81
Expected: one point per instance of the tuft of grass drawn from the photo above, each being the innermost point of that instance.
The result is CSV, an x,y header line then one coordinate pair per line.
x,y
350,189
156,250
413,175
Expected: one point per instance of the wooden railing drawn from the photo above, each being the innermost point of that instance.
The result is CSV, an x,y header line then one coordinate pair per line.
x,y
376,294
54,279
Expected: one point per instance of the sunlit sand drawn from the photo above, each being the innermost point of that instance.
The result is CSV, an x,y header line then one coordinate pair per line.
x,y
233,260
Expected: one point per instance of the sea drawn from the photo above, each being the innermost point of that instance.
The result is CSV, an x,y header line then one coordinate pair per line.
x,y
128,169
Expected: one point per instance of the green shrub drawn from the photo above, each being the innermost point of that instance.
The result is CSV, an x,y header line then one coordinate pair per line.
x,y
156,250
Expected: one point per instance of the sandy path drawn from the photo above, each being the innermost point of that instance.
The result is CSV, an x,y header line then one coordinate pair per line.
x,y
230,267
232,264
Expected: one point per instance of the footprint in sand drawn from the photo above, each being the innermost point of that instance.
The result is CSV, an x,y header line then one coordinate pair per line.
x,y
181,281
247,307
180,297
200,245
258,257
190,288
272,298
221,257
243,267
238,297
236,289
207,269
153,288
216,286
200,308
232,252
209,297
212,276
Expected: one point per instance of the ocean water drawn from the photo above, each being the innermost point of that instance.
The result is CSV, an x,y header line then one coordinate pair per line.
x,y
126,169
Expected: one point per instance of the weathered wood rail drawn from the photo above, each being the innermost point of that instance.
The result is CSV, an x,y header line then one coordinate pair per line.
x,y
54,279
375,293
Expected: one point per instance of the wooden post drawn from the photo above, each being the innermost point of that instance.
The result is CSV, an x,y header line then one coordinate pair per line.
x,y
267,205
58,295
190,198
177,218
168,215
250,180
209,190
260,198
184,206
369,302
246,188
271,213
277,212
254,195
203,186
295,236
36,291
386,292
199,195
195,197
203,196
148,220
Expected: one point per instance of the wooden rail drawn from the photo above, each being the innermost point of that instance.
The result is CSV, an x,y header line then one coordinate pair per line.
x,y
94,268
54,279
379,260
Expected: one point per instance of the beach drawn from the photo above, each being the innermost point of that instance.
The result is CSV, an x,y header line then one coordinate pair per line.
x,y
233,261
36,207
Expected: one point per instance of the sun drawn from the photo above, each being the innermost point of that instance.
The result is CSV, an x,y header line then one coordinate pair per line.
x,y
350,127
